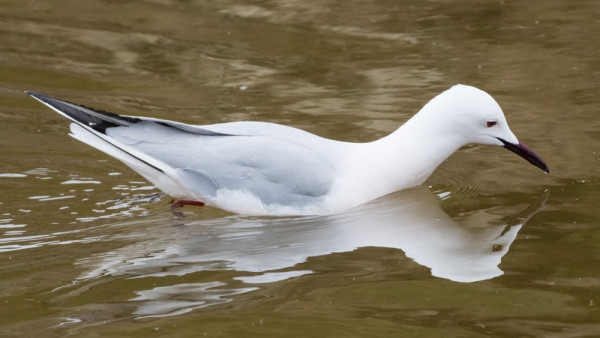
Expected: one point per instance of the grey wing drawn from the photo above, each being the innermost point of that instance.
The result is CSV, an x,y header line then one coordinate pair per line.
x,y
276,163
276,170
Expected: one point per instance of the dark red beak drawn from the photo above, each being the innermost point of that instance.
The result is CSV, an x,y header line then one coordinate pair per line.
x,y
525,152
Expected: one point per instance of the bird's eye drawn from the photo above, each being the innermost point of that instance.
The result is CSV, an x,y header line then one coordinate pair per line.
x,y
491,123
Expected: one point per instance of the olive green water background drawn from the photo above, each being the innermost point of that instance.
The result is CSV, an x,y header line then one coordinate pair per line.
x,y
489,246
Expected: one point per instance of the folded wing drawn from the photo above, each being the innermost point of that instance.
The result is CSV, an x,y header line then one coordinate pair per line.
x,y
277,164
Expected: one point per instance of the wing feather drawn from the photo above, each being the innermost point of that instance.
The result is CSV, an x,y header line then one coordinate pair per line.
x,y
277,164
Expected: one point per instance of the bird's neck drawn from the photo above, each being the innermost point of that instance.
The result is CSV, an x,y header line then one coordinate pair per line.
x,y
405,158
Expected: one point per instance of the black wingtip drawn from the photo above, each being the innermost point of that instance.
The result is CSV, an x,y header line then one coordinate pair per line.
x,y
35,95
96,119
40,97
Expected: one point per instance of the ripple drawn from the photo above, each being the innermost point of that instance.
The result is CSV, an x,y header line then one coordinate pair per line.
x,y
38,197
12,175
80,182
455,184
68,321
271,277
40,171
38,241
56,198
178,299
12,226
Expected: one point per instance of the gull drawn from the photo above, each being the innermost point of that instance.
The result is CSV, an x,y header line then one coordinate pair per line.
x,y
263,168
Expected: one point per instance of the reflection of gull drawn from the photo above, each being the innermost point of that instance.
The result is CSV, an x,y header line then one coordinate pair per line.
x,y
411,221
260,248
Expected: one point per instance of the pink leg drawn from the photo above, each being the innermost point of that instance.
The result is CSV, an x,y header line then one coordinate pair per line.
x,y
180,203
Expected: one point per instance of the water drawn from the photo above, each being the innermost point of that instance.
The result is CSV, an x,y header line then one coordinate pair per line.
x,y
488,246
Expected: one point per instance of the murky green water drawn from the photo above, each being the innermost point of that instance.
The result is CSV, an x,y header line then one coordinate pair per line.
x,y
489,246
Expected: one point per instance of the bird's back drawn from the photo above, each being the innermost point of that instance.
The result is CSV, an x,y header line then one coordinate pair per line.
x,y
277,165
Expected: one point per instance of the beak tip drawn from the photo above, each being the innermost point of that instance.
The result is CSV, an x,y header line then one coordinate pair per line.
x,y
524,151
542,165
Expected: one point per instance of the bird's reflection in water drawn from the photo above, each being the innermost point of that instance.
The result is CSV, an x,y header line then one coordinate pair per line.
x,y
411,221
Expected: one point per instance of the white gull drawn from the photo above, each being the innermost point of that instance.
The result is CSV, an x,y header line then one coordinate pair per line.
x,y
267,168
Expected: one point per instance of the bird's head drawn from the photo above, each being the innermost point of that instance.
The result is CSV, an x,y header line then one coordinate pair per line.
x,y
475,117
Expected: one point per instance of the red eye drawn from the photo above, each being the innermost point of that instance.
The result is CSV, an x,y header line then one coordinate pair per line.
x,y
491,123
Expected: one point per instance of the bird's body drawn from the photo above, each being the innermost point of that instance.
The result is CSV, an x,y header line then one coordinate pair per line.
x,y
266,168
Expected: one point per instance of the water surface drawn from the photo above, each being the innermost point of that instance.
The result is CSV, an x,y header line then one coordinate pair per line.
x,y
488,246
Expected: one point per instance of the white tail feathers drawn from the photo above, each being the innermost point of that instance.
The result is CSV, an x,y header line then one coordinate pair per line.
x,y
155,171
